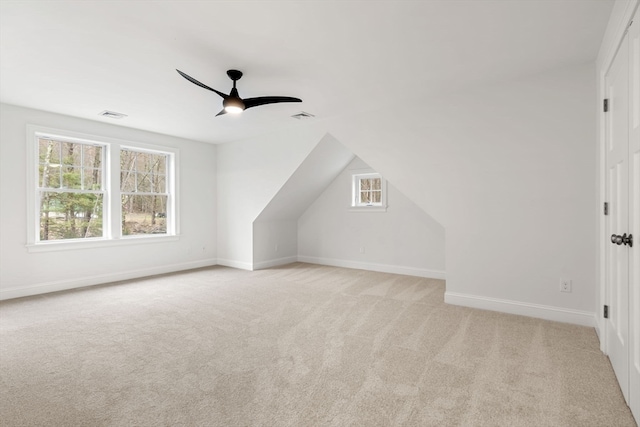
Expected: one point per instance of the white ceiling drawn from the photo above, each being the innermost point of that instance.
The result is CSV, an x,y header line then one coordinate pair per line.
x,y
82,57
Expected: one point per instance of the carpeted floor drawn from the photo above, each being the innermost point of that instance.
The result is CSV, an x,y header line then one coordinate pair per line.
x,y
300,345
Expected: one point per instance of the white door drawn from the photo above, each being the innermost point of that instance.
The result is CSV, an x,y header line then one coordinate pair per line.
x,y
617,128
634,216
623,193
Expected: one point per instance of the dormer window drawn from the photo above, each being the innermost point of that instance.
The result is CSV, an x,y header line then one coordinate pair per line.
x,y
368,191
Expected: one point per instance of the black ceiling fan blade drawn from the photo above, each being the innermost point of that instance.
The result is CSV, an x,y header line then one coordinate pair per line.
x,y
262,100
221,112
202,85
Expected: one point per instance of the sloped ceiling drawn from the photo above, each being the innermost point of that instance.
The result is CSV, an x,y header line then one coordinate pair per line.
x,y
311,178
82,57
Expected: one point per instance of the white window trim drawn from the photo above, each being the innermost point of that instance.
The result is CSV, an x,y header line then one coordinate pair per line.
x,y
356,174
112,220
172,206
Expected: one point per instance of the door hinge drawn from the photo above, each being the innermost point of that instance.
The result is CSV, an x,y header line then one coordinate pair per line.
x,y
606,311
606,208
605,105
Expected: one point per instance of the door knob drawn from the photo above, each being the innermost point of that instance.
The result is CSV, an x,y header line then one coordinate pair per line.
x,y
624,239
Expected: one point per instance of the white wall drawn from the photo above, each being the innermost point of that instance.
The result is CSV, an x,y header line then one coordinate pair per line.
x,y
23,273
404,239
275,238
250,174
275,242
509,170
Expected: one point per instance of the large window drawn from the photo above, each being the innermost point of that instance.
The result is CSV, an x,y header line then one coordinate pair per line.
x,y
90,189
70,190
143,190
368,191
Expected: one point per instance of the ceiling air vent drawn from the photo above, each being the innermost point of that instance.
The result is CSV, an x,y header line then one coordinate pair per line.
x,y
302,116
112,114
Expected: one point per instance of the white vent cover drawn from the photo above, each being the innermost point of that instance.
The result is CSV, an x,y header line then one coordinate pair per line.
x,y
112,114
302,116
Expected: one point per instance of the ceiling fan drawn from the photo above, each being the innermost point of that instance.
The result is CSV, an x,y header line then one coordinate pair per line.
x,y
232,103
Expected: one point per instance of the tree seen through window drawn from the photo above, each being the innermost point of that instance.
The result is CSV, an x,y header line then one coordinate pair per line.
x,y
143,189
70,189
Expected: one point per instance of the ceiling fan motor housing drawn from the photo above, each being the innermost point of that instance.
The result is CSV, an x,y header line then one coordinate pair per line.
x,y
233,103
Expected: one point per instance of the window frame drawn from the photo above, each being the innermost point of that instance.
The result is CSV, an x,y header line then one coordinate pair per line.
x,y
112,209
356,177
61,189
167,193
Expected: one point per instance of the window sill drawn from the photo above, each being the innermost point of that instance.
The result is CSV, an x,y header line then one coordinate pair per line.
x,y
53,246
367,208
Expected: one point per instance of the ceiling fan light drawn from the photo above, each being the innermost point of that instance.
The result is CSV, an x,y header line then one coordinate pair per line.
x,y
233,105
233,110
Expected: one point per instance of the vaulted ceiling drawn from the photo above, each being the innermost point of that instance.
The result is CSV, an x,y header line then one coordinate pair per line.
x,y
340,57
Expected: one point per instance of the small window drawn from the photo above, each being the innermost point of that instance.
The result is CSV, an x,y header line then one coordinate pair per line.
x,y
369,191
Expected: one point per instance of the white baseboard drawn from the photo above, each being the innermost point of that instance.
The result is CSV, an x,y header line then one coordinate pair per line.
x,y
600,332
583,318
274,262
63,285
235,264
382,268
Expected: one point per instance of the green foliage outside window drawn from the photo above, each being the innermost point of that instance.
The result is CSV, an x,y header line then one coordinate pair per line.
x,y
72,193
70,182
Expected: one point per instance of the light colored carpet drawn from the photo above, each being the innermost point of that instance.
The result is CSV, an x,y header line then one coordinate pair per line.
x,y
300,345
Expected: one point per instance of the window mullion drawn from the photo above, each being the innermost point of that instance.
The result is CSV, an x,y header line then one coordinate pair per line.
x,y
59,168
69,190
82,149
112,181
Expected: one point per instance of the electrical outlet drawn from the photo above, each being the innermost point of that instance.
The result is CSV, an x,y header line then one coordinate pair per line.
x,y
275,248
565,285
361,249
